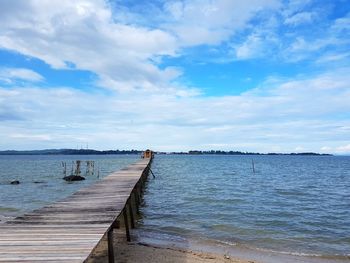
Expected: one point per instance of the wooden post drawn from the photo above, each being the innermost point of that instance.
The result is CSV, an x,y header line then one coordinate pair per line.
x,y
132,222
141,183
110,246
64,164
77,172
116,224
134,191
137,200
139,190
140,186
126,223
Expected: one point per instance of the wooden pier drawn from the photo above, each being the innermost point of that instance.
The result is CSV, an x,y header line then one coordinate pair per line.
x,y
69,230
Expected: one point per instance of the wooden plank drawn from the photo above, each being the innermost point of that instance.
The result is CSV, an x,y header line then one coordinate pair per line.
x,y
23,250
44,258
48,237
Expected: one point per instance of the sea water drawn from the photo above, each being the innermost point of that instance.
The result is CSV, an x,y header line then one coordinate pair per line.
x,y
41,182
297,205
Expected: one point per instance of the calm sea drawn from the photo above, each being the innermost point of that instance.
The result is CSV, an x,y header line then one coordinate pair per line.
x,y
41,181
297,205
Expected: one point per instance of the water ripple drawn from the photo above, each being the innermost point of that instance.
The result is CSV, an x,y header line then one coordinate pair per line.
x,y
299,204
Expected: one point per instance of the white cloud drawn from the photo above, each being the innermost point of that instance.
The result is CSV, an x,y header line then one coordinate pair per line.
x,y
10,75
124,56
279,115
31,137
83,33
299,149
258,44
342,24
326,149
252,47
282,116
343,149
206,22
333,36
328,58
274,35
300,18
294,6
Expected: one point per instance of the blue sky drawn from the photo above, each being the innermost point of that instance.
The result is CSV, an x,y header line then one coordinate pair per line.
x,y
254,75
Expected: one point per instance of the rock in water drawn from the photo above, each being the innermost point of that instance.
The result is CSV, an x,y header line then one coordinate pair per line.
x,y
72,178
15,182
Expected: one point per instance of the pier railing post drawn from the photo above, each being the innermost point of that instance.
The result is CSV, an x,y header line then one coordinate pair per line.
x,y
114,225
126,224
110,246
132,222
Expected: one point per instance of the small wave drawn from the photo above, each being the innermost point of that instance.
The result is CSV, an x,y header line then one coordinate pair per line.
x,y
8,209
214,245
303,254
229,173
278,252
292,253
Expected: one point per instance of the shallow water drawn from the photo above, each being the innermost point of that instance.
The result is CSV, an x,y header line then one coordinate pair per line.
x,y
41,181
298,205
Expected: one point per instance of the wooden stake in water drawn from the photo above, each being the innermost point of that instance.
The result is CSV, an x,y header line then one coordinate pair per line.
x,y
253,166
64,164
71,172
77,171
87,168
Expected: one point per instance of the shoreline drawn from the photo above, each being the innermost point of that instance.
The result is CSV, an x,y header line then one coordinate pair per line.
x,y
128,252
132,252
191,251
238,251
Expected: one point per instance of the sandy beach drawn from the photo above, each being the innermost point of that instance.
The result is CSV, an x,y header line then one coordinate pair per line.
x,y
135,252
139,251
129,252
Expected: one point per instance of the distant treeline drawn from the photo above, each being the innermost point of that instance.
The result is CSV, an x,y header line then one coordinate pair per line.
x,y
68,152
90,151
242,153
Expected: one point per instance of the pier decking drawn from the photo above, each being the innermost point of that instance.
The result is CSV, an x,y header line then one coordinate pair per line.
x,y
68,230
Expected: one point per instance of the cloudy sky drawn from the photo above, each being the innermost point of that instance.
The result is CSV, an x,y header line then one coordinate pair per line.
x,y
252,75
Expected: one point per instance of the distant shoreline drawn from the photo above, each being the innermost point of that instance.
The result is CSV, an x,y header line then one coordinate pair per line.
x,y
108,152
243,153
68,152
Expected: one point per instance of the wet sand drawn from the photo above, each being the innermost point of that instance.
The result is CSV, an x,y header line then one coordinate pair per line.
x,y
135,252
128,252
148,252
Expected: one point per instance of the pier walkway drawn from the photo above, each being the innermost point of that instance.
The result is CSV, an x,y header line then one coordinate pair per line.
x,y
68,230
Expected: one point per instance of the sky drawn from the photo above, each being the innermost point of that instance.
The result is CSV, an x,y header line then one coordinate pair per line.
x,y
176,75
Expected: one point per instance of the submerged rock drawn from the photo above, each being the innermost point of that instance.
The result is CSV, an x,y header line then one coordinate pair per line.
x,y
15,182
72,178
